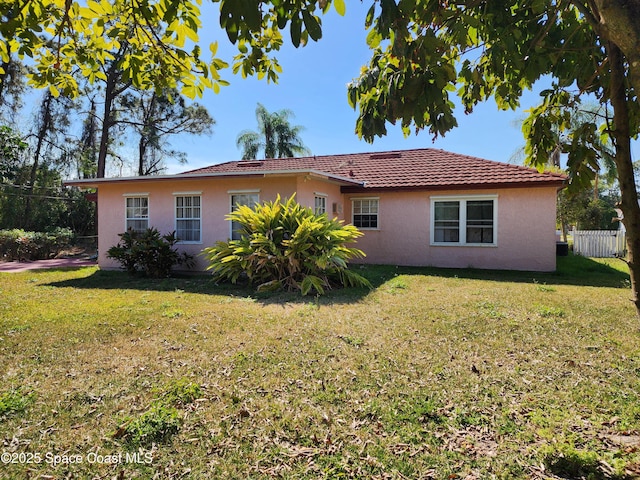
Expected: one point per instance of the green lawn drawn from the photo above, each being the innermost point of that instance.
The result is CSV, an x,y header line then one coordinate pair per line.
x,y
447,374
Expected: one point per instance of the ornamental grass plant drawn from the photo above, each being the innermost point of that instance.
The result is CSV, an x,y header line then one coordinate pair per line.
x,y
284,245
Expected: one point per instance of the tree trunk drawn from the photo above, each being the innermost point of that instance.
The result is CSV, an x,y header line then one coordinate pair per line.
x,y
88,154
107,121
620,22
111,91
622,142
147,125
45,124
3,79
142,149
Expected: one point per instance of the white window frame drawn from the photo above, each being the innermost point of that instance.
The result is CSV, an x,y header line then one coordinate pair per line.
x,y
232,194
462,201
192,195
127,218
377,214
322,199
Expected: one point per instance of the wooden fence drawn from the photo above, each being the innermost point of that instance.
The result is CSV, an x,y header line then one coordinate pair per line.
x,y
599,243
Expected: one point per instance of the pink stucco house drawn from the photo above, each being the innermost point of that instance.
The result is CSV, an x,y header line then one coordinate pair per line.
x,y
422,207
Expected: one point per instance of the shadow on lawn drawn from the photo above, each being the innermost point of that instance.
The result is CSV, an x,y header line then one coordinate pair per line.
x,y
571,270
576,465
202,284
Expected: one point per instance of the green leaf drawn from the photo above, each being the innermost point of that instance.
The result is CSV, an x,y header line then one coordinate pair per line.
x,y
312,25
373,39
296,31
370,16
312,282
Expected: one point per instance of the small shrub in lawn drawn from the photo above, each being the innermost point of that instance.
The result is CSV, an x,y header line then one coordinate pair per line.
x,y
548,312
287,246
158,424
14,401
570,462
181,392
149,253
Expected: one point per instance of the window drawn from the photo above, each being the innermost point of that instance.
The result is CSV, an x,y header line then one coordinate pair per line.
x,y
137,213
480,221
464,221
250,199
365,212
320,204
188,215
446,224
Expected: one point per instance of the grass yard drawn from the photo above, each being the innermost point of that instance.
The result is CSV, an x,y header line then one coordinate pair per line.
x,y
445,374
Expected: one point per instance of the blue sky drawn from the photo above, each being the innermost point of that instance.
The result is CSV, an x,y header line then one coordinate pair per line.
x,y
313,85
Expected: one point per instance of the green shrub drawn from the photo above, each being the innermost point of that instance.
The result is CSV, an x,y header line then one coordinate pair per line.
x,y
149,253
158,424
14,401
286,245
180,392
162,419
570,462
18,244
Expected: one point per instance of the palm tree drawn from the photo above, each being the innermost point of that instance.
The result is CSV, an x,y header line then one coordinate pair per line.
x,y
581,117
275,137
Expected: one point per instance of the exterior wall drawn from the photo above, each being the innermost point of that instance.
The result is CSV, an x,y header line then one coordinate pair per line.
x,y
525,232
215,205
525,224
308,188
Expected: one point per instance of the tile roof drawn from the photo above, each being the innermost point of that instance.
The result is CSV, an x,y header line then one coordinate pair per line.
x,y
403,169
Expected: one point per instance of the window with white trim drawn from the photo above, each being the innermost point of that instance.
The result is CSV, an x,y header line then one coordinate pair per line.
x,y
464,220
188,218
320,204
446,222
250,199
365,212
137,213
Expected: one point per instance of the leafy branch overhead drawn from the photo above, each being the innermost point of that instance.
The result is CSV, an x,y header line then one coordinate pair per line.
x,y
65,37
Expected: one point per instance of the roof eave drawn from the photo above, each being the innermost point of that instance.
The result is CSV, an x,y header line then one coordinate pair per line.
x,y
465,186
96,182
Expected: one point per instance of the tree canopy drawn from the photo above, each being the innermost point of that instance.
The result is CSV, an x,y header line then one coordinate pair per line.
x,y
12,147
64,37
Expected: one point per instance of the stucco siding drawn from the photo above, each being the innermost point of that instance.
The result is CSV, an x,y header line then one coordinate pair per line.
x,y
525,238
215,196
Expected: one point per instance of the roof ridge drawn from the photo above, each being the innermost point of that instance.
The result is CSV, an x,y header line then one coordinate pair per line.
x,y
229,162
330,155
412,168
